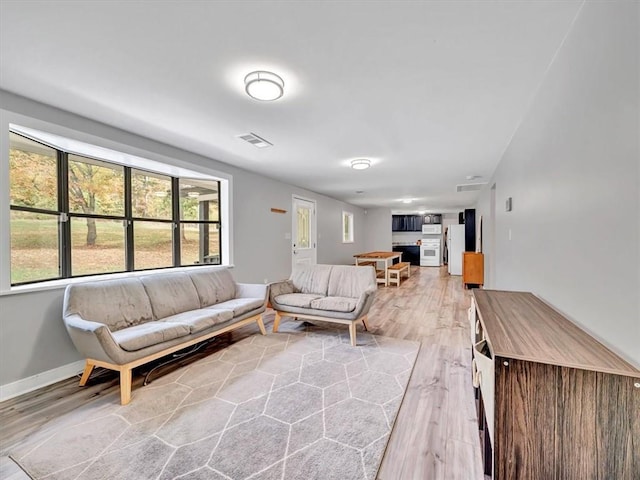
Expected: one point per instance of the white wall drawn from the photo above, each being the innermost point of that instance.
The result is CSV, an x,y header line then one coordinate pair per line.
x,y
377,230
572,169
32,336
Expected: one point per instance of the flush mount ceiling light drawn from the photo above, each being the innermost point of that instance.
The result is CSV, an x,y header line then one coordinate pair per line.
x,y
360,164
265,86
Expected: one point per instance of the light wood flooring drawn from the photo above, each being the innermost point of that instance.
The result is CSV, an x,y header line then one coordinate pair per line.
x,y
435,436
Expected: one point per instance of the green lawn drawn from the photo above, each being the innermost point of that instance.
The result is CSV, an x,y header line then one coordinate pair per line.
x,y
34,247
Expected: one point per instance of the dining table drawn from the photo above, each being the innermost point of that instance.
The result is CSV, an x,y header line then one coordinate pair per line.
x,y
373,258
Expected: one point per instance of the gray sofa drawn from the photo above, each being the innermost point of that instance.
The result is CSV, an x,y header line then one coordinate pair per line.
x,y
123,323
332,293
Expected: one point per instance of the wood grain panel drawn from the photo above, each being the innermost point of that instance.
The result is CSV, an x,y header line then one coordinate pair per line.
x,y
472,268
522,326
525,420
576,424
616,440
566,424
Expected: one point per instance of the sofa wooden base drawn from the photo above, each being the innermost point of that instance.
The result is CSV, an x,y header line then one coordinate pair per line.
x,y
351,323
125,369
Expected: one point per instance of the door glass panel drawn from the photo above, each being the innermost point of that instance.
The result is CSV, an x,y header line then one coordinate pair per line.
x,y
304,227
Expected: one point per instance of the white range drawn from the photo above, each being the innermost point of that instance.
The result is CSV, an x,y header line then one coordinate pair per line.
x,y
430,252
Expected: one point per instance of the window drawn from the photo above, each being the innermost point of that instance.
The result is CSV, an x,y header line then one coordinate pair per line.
x,y
347,227
96,216
199,221
152,212
72,215
34,204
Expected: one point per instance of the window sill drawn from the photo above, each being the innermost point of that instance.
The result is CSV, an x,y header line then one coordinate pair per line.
x,y
62,283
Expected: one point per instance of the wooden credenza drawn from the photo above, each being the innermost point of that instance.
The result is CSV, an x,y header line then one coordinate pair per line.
x,y
472,268
553,402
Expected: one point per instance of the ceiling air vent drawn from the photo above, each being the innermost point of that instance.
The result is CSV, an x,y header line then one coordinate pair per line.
x,y
255,140
469,187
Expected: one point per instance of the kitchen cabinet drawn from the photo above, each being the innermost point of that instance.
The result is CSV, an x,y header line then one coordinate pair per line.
x,y
470,230
410,253
432,218
553,402
413,223
406,223
472,268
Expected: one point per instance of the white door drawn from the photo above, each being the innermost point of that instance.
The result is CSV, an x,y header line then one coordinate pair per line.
x,y
303,238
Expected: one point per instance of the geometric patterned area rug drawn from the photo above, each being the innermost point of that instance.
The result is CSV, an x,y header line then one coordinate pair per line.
x,y
296,405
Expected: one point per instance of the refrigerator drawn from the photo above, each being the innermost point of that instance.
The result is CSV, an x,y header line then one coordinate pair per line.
x,y
455,246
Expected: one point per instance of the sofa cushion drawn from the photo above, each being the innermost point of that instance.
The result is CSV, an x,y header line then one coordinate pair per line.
x,y
198,320
302,300
239,306
214,285
350,281
335,304
170,293
118,303
311,278
147,334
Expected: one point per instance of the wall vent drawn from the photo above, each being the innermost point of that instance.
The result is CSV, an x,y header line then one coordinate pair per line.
x,y
255,140
469,187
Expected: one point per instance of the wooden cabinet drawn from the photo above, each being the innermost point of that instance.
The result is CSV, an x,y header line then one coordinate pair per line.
x,y
554,403
472,268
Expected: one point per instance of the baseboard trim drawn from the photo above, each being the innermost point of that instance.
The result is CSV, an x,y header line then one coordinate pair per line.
x,y
39,380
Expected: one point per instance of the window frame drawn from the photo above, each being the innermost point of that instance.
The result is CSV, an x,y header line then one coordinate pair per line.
x,y
64,215
348,234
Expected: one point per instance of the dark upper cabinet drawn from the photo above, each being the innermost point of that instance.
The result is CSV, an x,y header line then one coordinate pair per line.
x,y
396,223
470,230
433,218
406,223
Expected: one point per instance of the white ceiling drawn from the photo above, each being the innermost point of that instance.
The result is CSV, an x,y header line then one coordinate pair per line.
x,y
430,91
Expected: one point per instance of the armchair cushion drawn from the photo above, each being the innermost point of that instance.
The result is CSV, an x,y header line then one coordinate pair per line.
x,y
350,282
335,304
302,300
281,288
311,279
